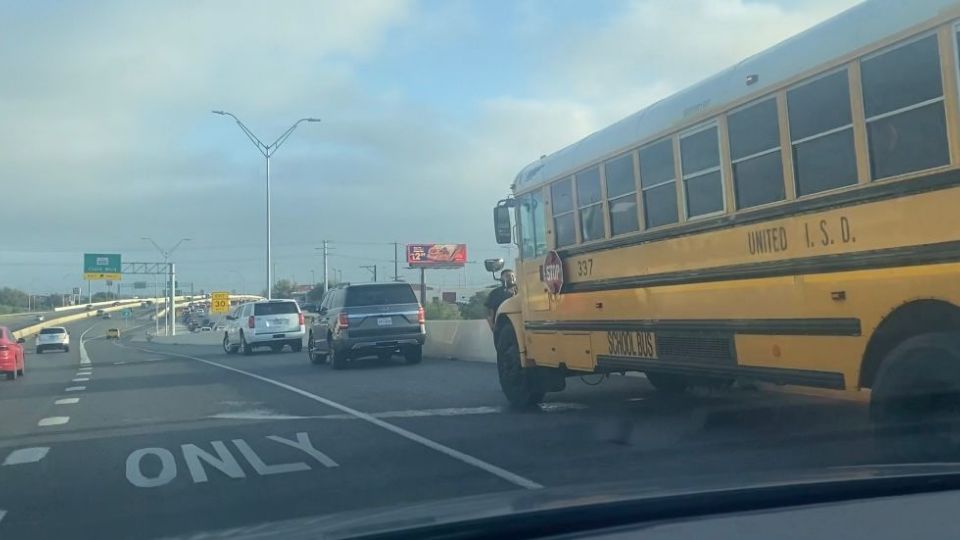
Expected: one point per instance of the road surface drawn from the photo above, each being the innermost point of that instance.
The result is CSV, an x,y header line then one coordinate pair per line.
x,y
142,440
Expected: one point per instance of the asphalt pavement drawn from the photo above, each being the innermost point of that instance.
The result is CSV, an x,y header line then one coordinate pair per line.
x,y
132,439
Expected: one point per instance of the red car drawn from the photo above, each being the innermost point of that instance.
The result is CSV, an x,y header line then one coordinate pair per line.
x,y
11,354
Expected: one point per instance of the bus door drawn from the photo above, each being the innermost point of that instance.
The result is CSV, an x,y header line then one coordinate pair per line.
x,y
533,247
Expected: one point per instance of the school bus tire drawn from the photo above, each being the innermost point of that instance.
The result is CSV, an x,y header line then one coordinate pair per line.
x,y
668,383
519,384
915,402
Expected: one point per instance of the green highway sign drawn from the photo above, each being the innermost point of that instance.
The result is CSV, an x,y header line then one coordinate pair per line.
x,y
98,266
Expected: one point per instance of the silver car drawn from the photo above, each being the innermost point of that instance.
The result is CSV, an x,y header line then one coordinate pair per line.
x,y
54,337
373,319
267,323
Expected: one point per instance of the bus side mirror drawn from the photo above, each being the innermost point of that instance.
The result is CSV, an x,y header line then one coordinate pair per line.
x,y
501,224
493,265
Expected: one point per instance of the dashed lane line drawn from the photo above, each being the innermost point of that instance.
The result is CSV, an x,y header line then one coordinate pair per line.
x,y
26,455
504,474
53,421
75,388
66,401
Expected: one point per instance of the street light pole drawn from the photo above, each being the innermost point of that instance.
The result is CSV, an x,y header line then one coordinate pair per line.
x,y
267,150
172,296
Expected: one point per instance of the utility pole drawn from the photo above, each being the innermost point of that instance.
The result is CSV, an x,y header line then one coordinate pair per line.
x,y
372,268
396,260
326,280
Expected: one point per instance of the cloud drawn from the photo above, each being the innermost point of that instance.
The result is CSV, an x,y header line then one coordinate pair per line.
x,y
107,134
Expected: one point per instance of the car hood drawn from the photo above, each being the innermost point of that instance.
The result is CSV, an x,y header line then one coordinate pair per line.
x,y
490,506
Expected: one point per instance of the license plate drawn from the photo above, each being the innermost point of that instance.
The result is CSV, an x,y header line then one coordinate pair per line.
x,y
384,321
632,343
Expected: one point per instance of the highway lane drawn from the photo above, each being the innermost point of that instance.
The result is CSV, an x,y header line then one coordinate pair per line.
x,y
173,439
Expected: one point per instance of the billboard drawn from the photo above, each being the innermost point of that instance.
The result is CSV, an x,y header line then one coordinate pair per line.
x,y
436,255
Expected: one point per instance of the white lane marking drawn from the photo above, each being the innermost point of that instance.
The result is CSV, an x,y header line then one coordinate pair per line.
x,y
81,379
26,455
168,467
266,414
3,513
66,401
259,414
53,421
262,468
303,443
84,359
74,388
419,439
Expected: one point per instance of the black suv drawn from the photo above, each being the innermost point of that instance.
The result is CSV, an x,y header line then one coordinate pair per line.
x,y
372,319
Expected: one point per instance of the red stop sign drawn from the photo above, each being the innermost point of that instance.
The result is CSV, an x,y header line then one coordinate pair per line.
x,y
553,272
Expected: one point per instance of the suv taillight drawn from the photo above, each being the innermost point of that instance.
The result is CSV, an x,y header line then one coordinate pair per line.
x,y
301,318
251,322
343,321
421,316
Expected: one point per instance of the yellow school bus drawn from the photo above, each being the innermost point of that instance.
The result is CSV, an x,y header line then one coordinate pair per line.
x,y
794,219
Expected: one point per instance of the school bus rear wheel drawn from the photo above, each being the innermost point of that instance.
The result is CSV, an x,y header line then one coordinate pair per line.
x,y
915,402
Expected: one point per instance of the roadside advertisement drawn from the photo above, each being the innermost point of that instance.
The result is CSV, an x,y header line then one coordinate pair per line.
x,y
436,255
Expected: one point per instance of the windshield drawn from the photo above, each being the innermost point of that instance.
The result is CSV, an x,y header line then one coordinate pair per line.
x,y
375,295
52,331
312,259
275,308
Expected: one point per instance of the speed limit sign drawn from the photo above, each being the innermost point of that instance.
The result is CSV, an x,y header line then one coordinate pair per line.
x,y
220,302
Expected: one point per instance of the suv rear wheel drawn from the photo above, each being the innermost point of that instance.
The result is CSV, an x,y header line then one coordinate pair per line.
x,y
413,355
340,358
245,347
312,354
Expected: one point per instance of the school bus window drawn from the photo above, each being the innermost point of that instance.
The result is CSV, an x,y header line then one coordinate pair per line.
x,y
564,227
621,195
591,205
755,153
903,102
533,237
657,177
702,180
821,133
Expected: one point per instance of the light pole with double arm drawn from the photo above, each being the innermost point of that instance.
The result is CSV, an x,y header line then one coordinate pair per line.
x,y
267,150
171,302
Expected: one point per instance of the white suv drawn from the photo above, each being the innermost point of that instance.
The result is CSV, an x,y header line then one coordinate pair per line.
x,y
267,323
54,337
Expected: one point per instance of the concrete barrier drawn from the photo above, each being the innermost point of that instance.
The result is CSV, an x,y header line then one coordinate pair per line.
x,y
469,340
59,321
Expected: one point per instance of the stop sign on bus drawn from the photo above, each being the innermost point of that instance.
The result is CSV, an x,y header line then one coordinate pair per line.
x,y
553,272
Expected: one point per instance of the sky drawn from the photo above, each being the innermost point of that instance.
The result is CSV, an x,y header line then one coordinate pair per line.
x,y
428,110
